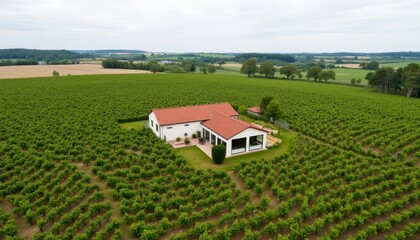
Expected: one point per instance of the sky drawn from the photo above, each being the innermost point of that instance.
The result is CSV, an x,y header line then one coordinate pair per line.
x,y
212,25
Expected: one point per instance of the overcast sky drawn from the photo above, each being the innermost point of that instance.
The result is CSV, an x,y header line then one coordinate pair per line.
x,y
212,25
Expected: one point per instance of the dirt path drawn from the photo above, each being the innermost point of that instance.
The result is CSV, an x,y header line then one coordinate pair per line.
x,y
254,198
25,230
116,213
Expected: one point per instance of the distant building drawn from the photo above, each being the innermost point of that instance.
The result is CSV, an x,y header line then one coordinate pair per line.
x,y
165,62
254,110
42,63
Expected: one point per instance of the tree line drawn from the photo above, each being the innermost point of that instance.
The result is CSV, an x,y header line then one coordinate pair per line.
x,y
40,55
262,57
402,80
18,62
149,66
250,68
153,66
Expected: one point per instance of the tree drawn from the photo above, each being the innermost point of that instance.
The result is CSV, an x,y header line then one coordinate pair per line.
x,y
289,70
211,68
188,66
370,65
313,72
154,67
264,103
267,68
203,69
55,74
381,79
325,75
218,153
339,61
411,77
249,67
221,62
273,110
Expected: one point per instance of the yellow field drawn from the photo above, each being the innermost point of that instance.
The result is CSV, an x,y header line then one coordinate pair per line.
x,y
349,65
64,70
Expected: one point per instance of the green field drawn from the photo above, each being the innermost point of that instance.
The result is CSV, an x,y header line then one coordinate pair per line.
x,y
343,75
215,55
69,169
138,125
397,64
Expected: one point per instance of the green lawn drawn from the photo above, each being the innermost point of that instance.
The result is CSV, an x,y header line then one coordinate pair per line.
x,y
133,125
199,160
343,75
397,64
218,55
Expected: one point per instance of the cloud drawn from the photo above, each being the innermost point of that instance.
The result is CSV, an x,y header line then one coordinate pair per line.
x,y
219,26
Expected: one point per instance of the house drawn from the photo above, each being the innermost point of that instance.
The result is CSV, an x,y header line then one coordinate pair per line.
x,y
256,111
217,123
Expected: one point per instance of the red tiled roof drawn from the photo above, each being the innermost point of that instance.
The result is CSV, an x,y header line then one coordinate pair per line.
x,y
255,109
168,116
227,127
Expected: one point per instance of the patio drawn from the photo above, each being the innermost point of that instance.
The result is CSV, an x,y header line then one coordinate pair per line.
x,y
205,147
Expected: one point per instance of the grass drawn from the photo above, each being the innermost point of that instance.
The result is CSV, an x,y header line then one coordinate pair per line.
x,y
218,55
138,125
397,64
343,75
199,160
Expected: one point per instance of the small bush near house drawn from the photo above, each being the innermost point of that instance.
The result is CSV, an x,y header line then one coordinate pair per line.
x,y
218,153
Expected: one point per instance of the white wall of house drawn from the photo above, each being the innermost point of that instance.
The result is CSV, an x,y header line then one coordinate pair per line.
x,y
178,130
171,132
152,124
217,136
247,133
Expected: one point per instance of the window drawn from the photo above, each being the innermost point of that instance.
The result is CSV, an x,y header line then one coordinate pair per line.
x,y
255,142
206,134
238,145
213,139
169,128
151,123
220,141
157,128
187,125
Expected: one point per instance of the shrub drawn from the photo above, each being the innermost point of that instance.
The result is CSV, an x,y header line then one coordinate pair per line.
x,y
218,153
187,141
178,139
194,135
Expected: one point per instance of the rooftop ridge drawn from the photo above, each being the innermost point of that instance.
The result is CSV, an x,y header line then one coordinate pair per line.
x,y
234,119
208,104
